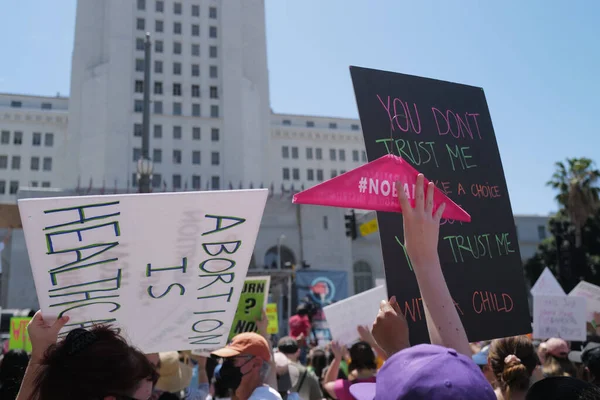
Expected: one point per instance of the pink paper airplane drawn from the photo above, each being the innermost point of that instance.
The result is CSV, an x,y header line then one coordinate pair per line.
x,y
372,187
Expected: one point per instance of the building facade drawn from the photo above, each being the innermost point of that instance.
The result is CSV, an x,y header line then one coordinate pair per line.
x,y
211,128
32,130
209,93
531,231
306,150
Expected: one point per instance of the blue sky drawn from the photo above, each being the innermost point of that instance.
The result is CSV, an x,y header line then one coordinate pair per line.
x,y
538,64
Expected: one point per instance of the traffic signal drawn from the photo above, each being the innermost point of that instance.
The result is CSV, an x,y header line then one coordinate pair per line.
x,y
351,225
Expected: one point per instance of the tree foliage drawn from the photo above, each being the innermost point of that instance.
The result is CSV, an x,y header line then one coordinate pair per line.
x,y
573,251
576,183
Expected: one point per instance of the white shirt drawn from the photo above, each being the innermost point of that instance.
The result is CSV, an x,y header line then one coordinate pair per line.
x,y
265,393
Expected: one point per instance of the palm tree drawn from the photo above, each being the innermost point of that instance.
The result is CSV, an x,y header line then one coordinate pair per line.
x,y
578,191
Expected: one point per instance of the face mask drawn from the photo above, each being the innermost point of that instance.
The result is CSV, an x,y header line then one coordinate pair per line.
x,y
231,376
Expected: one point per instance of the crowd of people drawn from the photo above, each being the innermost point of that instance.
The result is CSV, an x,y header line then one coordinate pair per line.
x,y
98,364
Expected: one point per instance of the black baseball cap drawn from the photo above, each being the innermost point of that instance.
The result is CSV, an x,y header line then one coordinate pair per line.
x,y
591,352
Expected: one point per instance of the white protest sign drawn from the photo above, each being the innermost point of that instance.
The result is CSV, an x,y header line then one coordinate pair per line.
x,y
592,293
560,317
166,268
547,285
344,316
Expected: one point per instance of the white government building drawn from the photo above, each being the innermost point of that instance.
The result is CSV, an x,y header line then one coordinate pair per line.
x,y
211,128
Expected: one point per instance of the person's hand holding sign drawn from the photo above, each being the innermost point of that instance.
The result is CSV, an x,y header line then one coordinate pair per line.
x,y
421,224
421,232
43,335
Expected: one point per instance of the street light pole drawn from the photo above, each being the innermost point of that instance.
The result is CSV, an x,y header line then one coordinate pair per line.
x,y
144,168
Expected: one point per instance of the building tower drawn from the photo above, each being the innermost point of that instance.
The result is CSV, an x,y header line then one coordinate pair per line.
x,y
209,125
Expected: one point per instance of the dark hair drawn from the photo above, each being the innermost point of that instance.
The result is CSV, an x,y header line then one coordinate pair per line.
x,y
362,357
516,374
92,364
168,396
563,388
302,309
287,345
12,370
318,360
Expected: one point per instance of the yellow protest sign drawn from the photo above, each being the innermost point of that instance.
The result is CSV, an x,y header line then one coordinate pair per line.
x,y
369,227
19,338
273,327
252,301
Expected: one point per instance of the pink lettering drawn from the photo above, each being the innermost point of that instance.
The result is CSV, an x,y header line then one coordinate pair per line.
x,y
398,113
435,110
455,124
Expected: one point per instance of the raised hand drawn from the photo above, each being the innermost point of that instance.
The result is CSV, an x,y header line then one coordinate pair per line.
x,y
338,350
42,334
390,329
421,223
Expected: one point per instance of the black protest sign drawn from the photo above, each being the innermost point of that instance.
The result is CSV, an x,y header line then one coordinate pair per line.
x,y
445,131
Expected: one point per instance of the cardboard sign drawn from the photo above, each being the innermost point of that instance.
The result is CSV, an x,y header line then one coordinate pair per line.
x,y
372,187
592,293
547,285
252,301
166,268
444,130
273,327
19,337
344,316
560,317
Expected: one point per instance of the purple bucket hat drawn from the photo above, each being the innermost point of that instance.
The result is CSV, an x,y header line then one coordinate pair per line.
x,y
427,371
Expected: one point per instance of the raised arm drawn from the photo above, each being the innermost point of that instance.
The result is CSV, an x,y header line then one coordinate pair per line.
x,y
261,324
334,369
421,233
42,336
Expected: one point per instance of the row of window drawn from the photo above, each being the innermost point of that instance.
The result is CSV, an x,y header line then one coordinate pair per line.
x,y
159,27
157,156
177,68
177,90
36,139
317,154
19,104
311,124
177,132
159,7
176,182
138,107
159,47
311,174
15,163
13,186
